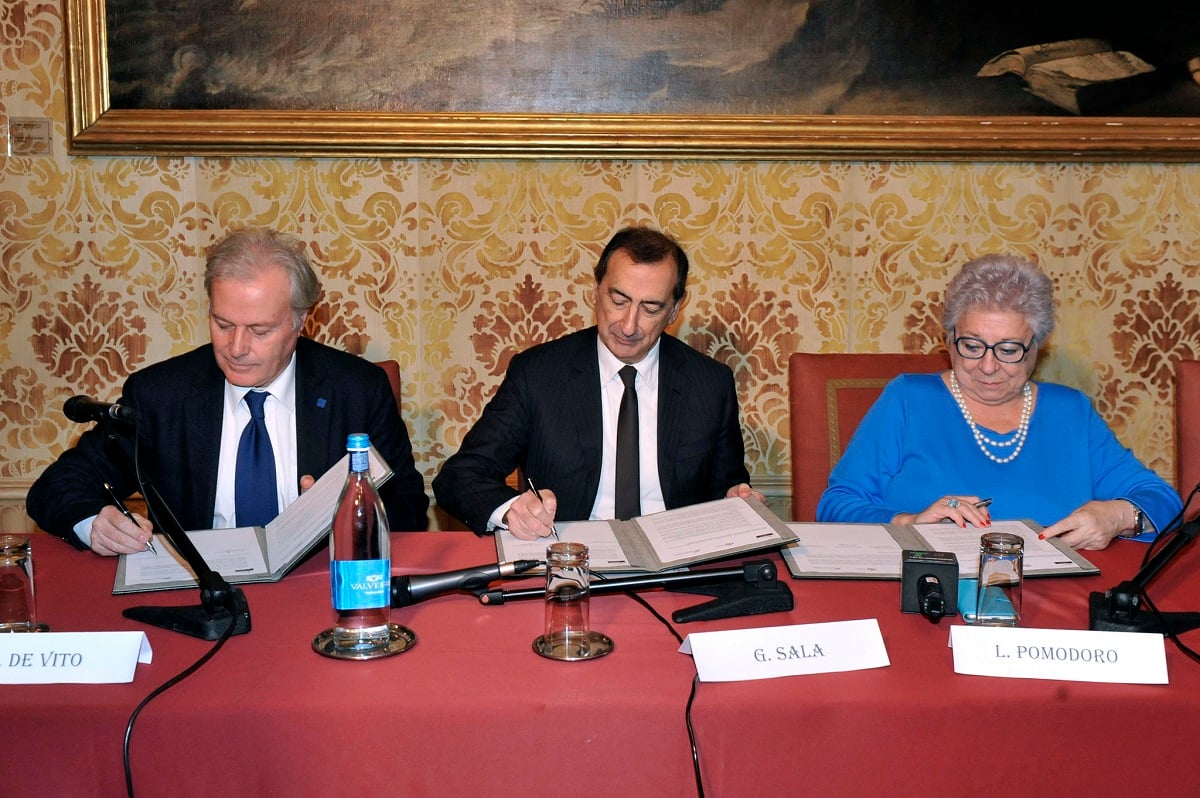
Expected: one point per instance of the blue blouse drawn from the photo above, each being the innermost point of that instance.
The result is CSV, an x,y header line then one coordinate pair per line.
x,y
913,447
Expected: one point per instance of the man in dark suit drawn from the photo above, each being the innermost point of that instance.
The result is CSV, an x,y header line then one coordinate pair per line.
x,y
556,415
192,411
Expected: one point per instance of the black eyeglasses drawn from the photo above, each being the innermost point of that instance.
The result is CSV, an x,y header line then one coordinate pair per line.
x,y
1004,351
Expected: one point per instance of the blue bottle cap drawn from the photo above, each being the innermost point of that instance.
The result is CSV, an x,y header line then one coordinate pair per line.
x,y
358,441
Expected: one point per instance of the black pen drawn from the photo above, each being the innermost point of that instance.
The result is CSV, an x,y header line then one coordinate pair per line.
x,y
979,505
125,512
538,494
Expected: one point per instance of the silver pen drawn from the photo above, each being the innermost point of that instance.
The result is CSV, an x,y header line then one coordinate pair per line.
x,y
538,494
979,505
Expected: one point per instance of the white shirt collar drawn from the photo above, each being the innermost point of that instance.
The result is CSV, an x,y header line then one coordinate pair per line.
x,y
647,367
283,387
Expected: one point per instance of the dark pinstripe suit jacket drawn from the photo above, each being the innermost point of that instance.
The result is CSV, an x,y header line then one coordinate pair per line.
x,y
546,419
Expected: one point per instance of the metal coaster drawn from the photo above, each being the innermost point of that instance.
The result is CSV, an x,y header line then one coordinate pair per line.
x,y
41,627
594,646
400,639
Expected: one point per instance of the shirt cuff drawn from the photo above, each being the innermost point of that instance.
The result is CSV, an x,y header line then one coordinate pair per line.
x,y
83,531
496,519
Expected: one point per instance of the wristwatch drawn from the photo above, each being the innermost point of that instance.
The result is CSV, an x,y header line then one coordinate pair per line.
x,y
1139,522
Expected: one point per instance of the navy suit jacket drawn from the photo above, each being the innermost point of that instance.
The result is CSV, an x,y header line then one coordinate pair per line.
x,y
546,419
179,404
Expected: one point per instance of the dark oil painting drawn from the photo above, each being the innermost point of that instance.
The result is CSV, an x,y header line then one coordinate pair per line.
x,y
739,57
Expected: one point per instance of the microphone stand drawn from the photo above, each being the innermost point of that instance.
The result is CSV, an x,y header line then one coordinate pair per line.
x,y
221,605
752,589
1118,609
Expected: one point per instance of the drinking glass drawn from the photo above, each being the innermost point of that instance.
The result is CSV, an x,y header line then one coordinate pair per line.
x,y
1001,567
17,608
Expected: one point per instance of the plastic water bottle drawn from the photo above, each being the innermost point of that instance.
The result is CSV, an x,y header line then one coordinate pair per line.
x,y
360,560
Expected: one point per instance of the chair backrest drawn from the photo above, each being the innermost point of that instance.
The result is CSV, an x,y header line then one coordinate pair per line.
x,y
1187,425
828,396
393,373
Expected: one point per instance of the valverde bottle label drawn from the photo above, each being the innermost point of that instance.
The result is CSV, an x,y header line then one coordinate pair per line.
x,y
361,584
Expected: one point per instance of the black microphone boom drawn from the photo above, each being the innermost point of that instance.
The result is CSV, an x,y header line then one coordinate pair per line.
x,y
410,589
84,409
1119,609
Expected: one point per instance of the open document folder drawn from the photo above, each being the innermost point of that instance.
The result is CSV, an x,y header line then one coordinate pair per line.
x,y
252,553
661,541
872,551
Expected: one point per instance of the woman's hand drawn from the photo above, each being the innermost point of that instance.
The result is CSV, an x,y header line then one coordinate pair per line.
x,y
961,510
1094,525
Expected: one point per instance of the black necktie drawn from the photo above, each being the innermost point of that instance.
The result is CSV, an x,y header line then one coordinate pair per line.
x,y
629,484
254,488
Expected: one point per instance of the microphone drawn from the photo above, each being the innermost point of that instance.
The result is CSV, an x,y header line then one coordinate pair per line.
x,y
85,409
931,597
410,589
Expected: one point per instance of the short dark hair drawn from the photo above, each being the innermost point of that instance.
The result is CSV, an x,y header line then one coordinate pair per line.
x,y
646,245
244,253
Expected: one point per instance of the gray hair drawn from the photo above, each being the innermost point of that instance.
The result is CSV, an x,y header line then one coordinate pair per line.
x,y
1004,283
243,254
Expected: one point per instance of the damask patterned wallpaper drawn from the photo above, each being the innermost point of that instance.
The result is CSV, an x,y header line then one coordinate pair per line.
x,y
450,267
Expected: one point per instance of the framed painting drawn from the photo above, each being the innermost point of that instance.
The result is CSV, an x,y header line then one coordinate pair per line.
x,y
726,79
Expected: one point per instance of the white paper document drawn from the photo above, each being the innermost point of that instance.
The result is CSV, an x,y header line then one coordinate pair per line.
x,y
247,554
1040,556
604,550
873,551
845,549
661,541
229,552
773,651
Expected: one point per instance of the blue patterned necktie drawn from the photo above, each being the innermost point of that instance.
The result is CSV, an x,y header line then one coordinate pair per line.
x,y
254,488
629,485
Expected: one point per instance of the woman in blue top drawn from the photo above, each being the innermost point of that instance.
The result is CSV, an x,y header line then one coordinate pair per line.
x,y
985,429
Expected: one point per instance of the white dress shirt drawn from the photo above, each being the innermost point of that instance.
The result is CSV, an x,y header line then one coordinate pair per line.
x,y
612,389
280,413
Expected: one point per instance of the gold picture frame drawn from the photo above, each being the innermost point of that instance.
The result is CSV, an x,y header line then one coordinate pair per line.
x,y
96,128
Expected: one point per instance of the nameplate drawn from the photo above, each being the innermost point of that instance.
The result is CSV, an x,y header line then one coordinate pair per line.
x,y
769,652
1068,655
72,657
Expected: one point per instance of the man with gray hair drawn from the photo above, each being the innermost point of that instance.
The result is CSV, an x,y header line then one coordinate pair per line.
x,y
258,389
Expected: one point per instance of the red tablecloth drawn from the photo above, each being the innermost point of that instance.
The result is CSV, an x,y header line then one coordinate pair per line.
x,y
473,710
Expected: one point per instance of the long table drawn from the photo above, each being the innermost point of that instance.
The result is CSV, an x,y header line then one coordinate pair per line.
x,y
472,710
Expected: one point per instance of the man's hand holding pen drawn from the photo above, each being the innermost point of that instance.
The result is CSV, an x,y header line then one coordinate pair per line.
x,y
531,516
114,532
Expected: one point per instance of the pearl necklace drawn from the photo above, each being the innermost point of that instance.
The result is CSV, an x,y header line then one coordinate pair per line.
x,y
981,440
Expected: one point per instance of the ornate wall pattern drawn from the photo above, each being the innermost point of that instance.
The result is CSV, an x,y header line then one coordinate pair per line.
x,y
451,267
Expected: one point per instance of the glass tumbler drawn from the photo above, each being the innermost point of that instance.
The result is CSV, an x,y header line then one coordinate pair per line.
x,y
567,634
1001,573
17,609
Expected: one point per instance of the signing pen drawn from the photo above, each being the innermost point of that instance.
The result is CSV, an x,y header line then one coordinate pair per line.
x,y
979,505
125,512
538,494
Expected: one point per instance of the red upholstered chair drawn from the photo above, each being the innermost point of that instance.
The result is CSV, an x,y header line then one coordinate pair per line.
x,y
828,395
393,373
1187,425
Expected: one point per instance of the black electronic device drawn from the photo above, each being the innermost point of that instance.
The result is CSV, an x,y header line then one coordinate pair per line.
x,y
221,604
929,583
412,588
85,409
1119,609
223,609
750,589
